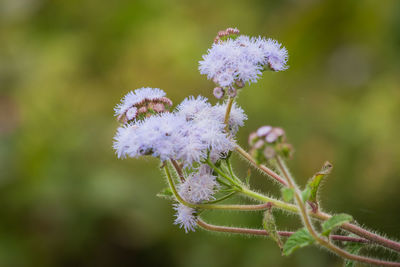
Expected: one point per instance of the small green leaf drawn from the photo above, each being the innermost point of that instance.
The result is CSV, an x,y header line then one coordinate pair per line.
x,y
306,194
270,226
299,239
166,193
287,194
353,248
314,183
335,221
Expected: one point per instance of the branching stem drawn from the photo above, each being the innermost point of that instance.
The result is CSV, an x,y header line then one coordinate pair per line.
x,y
322,241
262,232
210,206
355,229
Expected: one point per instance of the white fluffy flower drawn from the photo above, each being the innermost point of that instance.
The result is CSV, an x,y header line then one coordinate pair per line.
x,y
156,136
199,186
138,96
185,217
188,135
191,106
242,59
276,55
236,116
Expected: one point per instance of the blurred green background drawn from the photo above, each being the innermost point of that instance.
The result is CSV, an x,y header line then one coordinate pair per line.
x,y
66,200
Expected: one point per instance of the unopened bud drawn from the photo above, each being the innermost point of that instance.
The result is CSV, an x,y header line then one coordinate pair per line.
x,y
232,30
166,101
252,138
222,33
232,92
219,92
269,152
159,107
142,110
263,131
239,83
131,113
259,144
268,142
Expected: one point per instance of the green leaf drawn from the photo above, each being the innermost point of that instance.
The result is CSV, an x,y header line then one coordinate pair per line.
x,y
306,194
270,226
353,248
299,239
335,221
166,193
314,183
287,194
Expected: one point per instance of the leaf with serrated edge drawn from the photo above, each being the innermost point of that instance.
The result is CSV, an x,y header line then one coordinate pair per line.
x,y
299,239
314,183
335,221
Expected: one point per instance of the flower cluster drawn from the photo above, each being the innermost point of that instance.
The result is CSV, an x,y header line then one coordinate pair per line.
x,y
191,133
198,187
144,102
267,141
242,60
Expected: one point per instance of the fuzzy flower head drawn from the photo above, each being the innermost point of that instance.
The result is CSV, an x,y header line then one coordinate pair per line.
x,y
185,217
195,130
235,60
142,103
199,186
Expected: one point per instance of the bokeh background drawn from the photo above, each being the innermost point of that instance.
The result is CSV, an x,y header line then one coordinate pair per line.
x,y
65,198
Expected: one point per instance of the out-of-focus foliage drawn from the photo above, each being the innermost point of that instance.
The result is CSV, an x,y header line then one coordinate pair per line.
x,y
66,200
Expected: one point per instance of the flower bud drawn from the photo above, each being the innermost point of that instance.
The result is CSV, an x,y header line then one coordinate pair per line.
x,y
268,142
219,92
131,113
239,83
232,92
158,107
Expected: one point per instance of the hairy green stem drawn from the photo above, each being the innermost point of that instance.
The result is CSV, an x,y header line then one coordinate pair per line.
x,y
227,113
220,172
355,229
261,167
322,241
263,232
209,206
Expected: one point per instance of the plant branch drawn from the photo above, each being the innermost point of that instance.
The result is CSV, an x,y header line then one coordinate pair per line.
x,y
322,241
178,170
227,113
261,167
230,179
210,206
355,229
262,232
